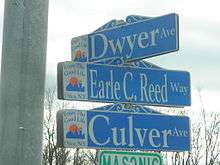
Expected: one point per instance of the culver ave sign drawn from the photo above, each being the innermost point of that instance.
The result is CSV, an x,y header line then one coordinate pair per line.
x,y
108,83
113,130
131,41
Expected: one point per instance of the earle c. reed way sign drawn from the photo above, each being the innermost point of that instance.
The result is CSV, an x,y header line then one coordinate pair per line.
x,y
107,83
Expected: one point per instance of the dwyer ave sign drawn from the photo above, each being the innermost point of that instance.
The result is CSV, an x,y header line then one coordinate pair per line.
x,y
131,41
114,130
107,83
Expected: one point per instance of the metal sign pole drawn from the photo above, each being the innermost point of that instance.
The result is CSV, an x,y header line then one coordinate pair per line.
x,y
23,81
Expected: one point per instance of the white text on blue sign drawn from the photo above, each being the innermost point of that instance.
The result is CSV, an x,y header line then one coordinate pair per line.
x,y
133,41
100,129
105,83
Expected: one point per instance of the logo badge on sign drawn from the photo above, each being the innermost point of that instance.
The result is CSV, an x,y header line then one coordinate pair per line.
x,y
80,56
75,85
80,51
75,132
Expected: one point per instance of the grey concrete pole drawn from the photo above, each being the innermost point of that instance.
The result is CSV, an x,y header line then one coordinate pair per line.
x,y
23,81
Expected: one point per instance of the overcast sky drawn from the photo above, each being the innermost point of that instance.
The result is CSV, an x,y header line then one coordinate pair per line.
x,y
199,34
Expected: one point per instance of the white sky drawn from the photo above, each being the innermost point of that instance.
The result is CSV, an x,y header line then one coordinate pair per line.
x,y
199,35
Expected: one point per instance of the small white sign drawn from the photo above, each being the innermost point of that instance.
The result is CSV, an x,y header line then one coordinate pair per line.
x,y
75,129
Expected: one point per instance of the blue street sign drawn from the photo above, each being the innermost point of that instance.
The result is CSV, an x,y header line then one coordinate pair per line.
x,y
113,130
121,60
125,84
131,41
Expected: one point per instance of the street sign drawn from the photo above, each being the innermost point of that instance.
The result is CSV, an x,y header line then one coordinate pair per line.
x,y
121,60
131,41
114,130
125,84
126,158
